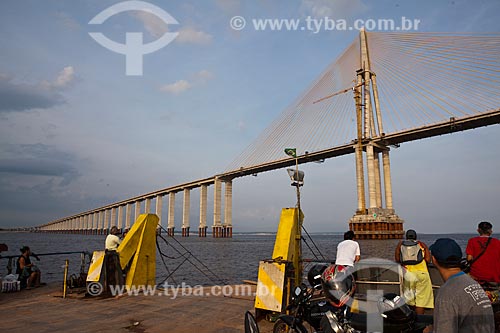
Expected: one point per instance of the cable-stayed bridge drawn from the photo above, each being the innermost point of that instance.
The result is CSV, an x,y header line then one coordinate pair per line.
x,y
383,90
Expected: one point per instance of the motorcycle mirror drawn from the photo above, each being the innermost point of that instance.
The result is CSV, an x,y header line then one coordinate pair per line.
x,y
298,290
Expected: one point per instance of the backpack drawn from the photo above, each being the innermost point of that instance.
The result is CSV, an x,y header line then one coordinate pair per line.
x,y
411,253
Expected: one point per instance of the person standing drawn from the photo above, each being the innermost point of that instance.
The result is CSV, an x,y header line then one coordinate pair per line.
x,y
461,304
483,254
348,251
414,255
112,268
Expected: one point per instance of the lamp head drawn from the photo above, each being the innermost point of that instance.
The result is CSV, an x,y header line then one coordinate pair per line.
x,y
296,176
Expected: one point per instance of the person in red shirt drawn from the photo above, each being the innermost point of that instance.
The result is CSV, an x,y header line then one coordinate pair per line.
x,y
486,266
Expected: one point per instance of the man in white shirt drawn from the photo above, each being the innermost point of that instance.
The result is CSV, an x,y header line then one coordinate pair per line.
x,y
348,250
112,268
112,240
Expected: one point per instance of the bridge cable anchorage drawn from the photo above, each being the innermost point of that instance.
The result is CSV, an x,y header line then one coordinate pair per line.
x,y
214,278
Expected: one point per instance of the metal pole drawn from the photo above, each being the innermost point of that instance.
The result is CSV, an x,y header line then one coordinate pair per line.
x,y
66,265
297,262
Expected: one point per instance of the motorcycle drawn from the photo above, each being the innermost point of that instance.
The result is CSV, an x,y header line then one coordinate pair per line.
x,y
304,309
333,315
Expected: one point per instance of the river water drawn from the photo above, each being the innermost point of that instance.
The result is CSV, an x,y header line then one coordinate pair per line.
x,y
232,259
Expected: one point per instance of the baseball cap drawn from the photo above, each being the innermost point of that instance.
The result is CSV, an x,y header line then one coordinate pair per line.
x,y
446,250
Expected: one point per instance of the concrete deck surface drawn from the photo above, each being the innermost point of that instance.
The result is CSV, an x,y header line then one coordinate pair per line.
x,y
44,310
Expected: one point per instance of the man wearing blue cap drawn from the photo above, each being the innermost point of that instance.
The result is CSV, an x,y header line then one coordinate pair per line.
x,y
461,304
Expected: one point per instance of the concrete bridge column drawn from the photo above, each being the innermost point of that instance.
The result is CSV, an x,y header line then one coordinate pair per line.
x,y
81,225
217,227
106,222
159,202
202,229
119,223
128,215
185,212
94,223
101,223
360,180
372,193
147,206
171,214
387,179
88,217
113,217
378,186
228,210
137,210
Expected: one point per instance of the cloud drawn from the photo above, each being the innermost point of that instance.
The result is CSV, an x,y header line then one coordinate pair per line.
x,y
152,23
190,35
65,77
37,160
177,87
229,6
339,9
22,97
181,86
67,21
203,76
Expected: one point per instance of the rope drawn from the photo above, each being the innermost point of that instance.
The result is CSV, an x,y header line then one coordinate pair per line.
x,y
315,246
214,278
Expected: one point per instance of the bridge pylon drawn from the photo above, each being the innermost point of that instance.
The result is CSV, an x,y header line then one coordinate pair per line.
x,y
375,221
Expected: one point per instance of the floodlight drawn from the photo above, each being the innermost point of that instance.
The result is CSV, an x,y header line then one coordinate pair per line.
x,y
296,176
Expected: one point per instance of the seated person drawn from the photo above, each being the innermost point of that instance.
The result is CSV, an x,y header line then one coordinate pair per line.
x,y
29,274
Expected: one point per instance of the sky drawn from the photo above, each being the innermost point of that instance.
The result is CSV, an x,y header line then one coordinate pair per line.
x,y
77,133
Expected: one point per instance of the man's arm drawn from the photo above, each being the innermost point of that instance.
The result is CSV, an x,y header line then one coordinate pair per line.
x,y
427,253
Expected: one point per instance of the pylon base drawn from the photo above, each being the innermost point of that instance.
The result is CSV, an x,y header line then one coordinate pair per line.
x,y
377,223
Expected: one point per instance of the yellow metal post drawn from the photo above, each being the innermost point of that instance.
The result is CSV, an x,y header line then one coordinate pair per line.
x,y
66,265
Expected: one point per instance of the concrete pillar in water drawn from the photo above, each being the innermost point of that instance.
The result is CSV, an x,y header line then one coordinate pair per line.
x,y
159,202
378,186
119,223
147,206
216,228
228,209
128,215
171,214
106,221
202,229
185,212
372,193
113,218
387,179
95,223
137,210
100,222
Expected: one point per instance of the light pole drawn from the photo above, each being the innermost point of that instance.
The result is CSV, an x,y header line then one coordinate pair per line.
x,y
297,178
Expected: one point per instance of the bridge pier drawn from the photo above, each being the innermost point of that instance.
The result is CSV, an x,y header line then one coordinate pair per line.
x,y
376,222
185,212
202,229
171,214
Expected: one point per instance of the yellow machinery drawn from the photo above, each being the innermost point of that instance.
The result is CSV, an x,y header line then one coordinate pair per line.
x,y
137,252
276,275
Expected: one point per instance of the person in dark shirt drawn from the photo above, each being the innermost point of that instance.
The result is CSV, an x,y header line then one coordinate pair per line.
x,y
461,304
29,274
